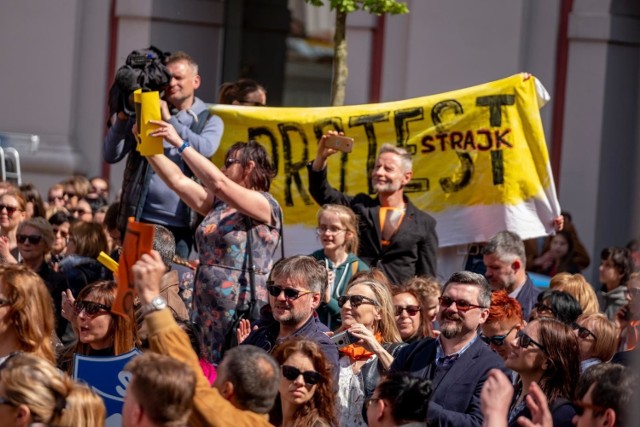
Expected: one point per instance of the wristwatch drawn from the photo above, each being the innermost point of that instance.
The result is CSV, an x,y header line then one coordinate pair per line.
x,y
157,303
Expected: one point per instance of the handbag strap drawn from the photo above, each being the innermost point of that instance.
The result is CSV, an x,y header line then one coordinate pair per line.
x,y
251,267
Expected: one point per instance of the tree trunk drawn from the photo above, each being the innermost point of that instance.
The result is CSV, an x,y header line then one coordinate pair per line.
x,y
340,69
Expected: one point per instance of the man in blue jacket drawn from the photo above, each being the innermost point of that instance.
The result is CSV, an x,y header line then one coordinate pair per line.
x,y
457,362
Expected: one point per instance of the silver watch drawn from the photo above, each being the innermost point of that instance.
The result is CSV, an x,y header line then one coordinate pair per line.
x,y
157,303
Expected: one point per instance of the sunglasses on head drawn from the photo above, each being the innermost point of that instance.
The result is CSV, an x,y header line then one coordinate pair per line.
x,y
91,308
289,293
497,340
10,209
355,300
411,310
461,305
310,377
583,332
33,239
525,341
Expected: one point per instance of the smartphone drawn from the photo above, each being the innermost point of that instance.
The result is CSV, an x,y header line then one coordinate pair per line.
x,y
340,143
343,339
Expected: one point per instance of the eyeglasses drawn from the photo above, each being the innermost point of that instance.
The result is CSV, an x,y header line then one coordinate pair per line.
x,y
55,198
369,401
68,194
525,341
461,304
5,401
543,308
289,293
583,332
310,377
411,310
33,239
63,234
580,407
78,211
497,340
91,308
355,300
331,230
10,209
4,302
230,161
251,103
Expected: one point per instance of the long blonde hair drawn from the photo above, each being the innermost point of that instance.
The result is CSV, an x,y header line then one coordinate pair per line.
x,y
386,326
30,309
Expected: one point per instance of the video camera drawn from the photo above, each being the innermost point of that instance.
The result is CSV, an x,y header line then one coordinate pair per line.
x,y
144,69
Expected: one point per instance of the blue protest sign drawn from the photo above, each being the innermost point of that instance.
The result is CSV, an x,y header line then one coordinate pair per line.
x,y
107,378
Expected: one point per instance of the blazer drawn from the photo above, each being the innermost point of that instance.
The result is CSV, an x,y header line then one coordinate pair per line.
x,y
411,251
528,297
455,400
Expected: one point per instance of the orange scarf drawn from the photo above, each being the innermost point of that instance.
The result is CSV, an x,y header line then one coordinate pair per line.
x,y
358,352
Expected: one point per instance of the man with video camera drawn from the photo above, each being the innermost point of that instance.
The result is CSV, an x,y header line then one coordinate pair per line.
x,y
144,195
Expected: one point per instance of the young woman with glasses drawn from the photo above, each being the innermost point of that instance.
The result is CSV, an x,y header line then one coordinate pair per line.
x,y
368,316
12,213
416,306
338,233
236,203
307,395
99,331
545,352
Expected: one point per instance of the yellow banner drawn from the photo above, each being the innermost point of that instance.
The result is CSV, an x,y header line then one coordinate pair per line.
x,y
477,147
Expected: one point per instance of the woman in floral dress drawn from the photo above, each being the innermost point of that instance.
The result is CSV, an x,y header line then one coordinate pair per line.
x,y
234,199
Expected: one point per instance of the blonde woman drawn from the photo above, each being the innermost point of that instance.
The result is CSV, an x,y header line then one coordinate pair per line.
x,y
578,287
26,313
12,213
33,391
367,315
597,338
338,233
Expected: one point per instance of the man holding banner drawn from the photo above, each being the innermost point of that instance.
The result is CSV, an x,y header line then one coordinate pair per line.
x,y
395,235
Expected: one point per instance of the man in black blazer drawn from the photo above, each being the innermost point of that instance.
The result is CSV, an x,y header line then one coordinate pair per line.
x,y
506,261
456,362
394,234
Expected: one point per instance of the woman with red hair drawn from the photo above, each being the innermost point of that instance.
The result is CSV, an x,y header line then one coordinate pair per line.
x,y
504,321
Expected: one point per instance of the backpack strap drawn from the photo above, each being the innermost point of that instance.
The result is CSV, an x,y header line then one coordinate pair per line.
x,y
198,126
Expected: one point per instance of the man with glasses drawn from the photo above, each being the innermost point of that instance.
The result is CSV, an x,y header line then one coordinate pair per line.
x,y
457,362
144,195
295,287
395,235
505,259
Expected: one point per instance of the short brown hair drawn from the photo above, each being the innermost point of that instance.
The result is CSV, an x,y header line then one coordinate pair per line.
x,y
163,386
90,238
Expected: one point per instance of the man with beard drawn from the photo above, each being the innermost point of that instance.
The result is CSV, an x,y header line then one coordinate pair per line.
x,y
395,235
456,362
505,259
295,287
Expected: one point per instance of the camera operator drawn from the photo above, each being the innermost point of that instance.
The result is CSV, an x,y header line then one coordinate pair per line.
x,y
144,195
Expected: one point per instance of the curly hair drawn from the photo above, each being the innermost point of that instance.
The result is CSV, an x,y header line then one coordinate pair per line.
x,y
563,370
30,309
322,404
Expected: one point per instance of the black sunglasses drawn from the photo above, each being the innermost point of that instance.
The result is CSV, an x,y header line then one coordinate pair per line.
x,y
461,304
543,308
497,340
581,406
525,341
91,308
33,239
4,302
310,377
583,332
289,293
355,300
10,209
230,161
411,310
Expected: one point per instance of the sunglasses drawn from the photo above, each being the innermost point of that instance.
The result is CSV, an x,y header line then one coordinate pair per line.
x,y
461,305
90,308
230,161
289,293
4,302
55,198
5,401
33,239
355,300
543,308
497,340
68,195
583,332
310,377
580,407
10,209
411,310
525,341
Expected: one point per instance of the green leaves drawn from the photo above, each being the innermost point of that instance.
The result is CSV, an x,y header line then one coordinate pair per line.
x,y
372,6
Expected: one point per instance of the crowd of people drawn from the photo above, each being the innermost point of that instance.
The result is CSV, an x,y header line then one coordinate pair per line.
x,y
357,331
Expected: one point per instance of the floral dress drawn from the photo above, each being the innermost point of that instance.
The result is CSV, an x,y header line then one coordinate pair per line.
x,y
222,278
